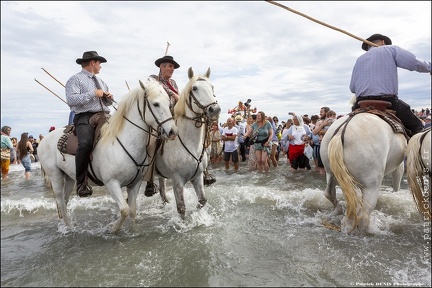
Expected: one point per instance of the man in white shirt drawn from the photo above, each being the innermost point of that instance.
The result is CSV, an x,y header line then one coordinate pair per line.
x,y
229,136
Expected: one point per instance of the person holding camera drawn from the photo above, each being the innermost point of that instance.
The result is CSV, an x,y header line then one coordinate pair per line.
x,y
86,95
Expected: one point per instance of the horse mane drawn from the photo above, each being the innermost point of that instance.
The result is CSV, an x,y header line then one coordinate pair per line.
x,y
180,107
115,123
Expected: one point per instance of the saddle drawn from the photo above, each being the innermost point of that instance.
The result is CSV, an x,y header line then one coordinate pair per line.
x,y
68,142
379,108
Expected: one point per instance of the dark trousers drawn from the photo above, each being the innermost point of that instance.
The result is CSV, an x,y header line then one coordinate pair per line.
x,y
243,151
85,133
403,111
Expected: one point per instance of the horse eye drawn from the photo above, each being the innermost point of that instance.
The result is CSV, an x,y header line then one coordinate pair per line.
x,y
156,104
194,88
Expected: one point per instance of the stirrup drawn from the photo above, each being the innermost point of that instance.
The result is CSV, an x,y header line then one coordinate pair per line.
x,y
150,189
209,179
84,190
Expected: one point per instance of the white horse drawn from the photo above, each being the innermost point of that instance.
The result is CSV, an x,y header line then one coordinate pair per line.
x,y
357,152
185,158
418,166
119,158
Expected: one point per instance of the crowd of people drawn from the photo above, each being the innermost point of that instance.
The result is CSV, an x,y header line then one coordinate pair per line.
x,y
297,140
19,152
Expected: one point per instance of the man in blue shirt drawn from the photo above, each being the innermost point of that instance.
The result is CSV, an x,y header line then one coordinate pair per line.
x,y
375,77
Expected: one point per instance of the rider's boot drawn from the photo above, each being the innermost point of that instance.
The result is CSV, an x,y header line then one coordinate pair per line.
x,y
208,178
150,189
84,190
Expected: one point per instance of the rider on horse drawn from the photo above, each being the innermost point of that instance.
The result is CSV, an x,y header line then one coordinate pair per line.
x,y
375,77
167,65
86,96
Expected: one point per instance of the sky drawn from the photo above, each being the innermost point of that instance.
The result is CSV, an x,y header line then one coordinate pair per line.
x,y
280,60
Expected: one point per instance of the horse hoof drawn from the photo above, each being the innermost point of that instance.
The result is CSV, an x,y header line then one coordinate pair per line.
x,y
150,189
201,204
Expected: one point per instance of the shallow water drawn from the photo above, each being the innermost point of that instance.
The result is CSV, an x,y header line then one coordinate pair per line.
x,y
255,230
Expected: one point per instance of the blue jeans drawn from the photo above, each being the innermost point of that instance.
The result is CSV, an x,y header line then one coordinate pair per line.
x,y
26,162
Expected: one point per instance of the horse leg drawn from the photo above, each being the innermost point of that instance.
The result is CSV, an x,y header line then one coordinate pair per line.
x,y
178,193
333,220
162,190
116,192
370,199
68,187
59,187
198,184
330,191
133,192
397,177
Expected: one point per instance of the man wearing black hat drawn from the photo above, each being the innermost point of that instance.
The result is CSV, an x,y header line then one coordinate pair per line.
x,y
167,65
375,77
86,95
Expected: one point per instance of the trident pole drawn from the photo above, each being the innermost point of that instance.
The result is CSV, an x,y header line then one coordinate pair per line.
x,y
53,77
166,50
50,91
322,23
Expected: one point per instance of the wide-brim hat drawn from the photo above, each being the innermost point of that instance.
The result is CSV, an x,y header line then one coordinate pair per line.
x,y
91,55
376,37
168,59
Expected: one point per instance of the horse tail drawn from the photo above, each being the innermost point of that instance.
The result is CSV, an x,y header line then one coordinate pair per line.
x,y
415,173
347,182
353,99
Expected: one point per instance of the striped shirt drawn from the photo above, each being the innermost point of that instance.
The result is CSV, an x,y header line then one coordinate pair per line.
x,y
375,72
170,92
81,93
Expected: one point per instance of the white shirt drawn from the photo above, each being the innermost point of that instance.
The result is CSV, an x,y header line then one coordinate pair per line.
x,y
230,145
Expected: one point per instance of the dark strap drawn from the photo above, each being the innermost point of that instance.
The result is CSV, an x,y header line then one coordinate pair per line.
x,y
99,87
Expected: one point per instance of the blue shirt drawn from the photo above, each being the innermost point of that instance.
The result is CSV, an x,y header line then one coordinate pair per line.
x,y
375,72
81,93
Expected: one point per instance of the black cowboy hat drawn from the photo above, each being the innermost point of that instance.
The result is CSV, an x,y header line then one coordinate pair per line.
x,y
376,37
91,55
168,59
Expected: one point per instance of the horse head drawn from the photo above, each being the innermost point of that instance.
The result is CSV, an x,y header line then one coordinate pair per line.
x,y
199,95
156,101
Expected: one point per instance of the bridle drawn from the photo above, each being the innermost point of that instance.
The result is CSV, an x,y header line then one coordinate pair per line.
x,y
198,116
199,119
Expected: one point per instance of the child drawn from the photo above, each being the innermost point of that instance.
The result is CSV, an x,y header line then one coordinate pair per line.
x,y
330,118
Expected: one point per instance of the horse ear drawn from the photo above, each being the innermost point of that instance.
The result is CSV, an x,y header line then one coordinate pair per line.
x,y
190,73
142,85
208,73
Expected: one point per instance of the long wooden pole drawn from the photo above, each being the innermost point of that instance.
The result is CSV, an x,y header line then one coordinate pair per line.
x,y
53,77
127,85
50,91
166,50
322,23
